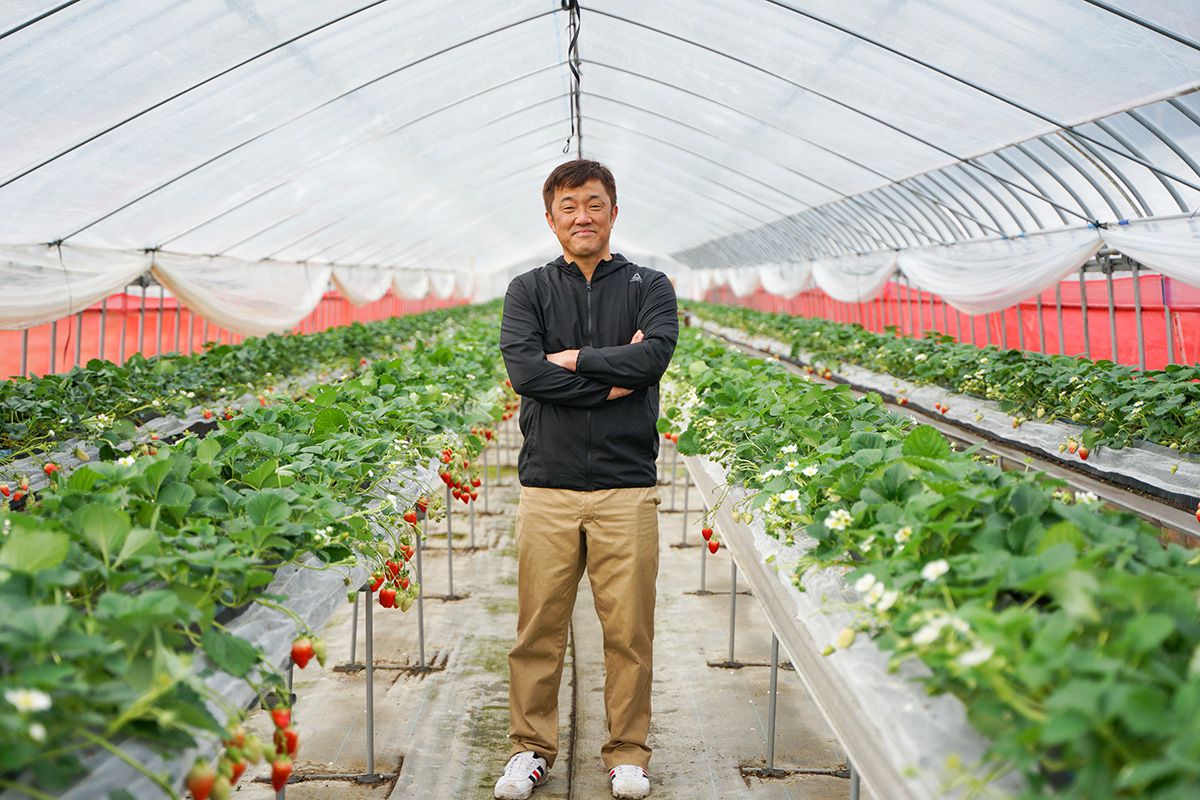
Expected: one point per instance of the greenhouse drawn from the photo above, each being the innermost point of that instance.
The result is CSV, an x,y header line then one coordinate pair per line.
x,y
851,350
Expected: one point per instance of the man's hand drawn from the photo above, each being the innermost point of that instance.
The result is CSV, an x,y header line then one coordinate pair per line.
x,y
567,359
564,358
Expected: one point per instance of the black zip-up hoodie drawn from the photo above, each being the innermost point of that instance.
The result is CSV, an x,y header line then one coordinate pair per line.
x,y
575,437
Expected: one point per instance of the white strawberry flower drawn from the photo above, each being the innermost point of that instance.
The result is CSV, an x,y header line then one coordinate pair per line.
x,y
929,632
920,357
887,600
864,584
809,471
838,520
867,544
28,700
903,535
126,461
791,465
875,595
788,449
37,732
1086,498
979,654
790,496
935,569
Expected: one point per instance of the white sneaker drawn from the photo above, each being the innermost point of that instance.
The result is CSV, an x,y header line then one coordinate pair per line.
x,y
629,782
524,771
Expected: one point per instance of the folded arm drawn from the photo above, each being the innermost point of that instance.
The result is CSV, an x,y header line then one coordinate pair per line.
x,y
642,363
522,343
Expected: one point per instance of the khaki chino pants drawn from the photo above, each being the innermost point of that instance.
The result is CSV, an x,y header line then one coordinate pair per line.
x,y
613,533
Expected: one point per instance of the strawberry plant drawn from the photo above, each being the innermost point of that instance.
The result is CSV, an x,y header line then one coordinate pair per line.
x,y
1068,631
114,576
1117,403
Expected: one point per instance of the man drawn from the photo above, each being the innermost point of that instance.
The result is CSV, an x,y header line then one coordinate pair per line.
x,y
586,339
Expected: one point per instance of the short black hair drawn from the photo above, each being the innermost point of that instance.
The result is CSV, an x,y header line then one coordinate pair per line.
x,y
577,173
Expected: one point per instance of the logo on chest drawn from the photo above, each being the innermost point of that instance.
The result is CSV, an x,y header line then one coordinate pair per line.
x,y
637,278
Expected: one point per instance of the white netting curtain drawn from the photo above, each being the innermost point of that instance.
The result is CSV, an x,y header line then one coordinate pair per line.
x,y
44,283
854,279
362,285
982,277
743,281
1171,246
411,284
252,298
786,279
443,284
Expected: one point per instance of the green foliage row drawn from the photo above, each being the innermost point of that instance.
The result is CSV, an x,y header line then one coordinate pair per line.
x,y
112,577
1117,403
1069,632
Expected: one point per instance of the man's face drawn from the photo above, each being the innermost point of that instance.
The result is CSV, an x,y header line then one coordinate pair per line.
x,y
582,219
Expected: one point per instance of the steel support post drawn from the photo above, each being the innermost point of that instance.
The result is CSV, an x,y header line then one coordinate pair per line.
x,y
420,601
1083,311
53,345
1041,326
78,338
1112,312
485,479
1062,346
686,486
178,327
25,352
1020,329
703,568
1162,283
732,605
945,318
449,543
471,517
354,627
158,323
920,330
103,325
124,323
1003,314
141,329
1137,313
771,701
370,661
674,474
855,788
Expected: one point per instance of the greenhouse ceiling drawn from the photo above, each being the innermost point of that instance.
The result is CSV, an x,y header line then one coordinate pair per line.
x,y
402,133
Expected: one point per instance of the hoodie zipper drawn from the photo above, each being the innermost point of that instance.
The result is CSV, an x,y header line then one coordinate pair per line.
x,y
589,411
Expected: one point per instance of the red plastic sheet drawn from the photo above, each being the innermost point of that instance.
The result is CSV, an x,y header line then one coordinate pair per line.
x,y
81,333
915,313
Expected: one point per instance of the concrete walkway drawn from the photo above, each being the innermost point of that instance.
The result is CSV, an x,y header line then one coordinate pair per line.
x,y
443,734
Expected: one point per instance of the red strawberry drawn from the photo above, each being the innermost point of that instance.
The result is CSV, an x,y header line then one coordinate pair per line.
x,y
1198,514
282,717
706,533
487,434
4,490
713,545
410,517
408,551
902,401
376,581
262,401
456,493
208,414
362,362
945,408
466,464
474,496
154,437
23,484
238,767
287,740
17,495
445,458
281,770
404,581
476,482
387,597
1083,453
302,651
50,468
200,779
1072,445
422,504
393,567
228,415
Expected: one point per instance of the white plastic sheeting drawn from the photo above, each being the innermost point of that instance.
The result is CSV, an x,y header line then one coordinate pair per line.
x,y
982,277
44,283
362,285
785,279
252,298
743,281
855,279
1170,246
443,284
411,284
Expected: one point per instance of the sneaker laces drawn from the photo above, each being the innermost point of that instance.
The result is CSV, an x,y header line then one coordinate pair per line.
x,y
628,771
521,765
